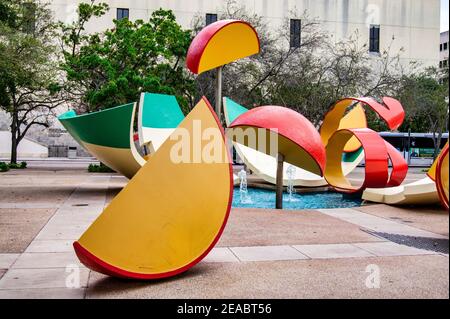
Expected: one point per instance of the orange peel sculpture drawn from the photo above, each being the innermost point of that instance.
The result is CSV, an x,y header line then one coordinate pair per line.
x,y
442,179
297,138
220,43
391,111
155,230
377,154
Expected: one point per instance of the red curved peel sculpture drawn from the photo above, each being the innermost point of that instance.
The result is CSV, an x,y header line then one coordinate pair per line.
x,y
377,154
297,138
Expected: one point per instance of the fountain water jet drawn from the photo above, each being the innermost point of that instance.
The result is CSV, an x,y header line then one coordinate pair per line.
x,y
243,191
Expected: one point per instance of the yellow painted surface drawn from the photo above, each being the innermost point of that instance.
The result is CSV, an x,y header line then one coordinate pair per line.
x,y
421,192
233,42
333,171
169,213
122,160
336,119
444,175
432,171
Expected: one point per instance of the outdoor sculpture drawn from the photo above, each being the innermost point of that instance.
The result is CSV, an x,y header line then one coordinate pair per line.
x,y
175,207
297,140
377,153
220,43
159,116
159,229
442,177
265,166
107,135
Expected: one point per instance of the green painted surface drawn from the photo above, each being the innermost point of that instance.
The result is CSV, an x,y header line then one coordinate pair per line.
x,y
161,111
110,127
233,110
351,157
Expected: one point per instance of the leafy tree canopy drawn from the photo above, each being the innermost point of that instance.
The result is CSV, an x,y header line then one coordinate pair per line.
x,y
112,68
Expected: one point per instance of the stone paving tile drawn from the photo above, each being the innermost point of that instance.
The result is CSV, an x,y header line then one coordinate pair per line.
x,y
42,278
6,260
50,246
267,253
377,223
46,260
61,232
220,255
332,251
30,205
392,249
46,293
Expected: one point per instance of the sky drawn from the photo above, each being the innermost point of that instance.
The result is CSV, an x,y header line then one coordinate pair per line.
x,y
444,15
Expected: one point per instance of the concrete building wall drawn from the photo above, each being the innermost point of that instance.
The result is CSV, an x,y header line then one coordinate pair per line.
x,y
414,24
27,148
443,49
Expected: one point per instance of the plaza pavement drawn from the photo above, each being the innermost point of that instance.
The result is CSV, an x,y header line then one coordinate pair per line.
x,y
261,254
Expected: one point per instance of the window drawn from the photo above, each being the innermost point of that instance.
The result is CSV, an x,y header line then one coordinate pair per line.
x,y
122,13
295,35
445,46
444,63
440,64
374,42
440,47
211,18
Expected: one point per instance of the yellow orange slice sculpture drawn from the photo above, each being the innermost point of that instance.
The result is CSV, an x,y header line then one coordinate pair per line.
x,y
442,177
220,43
159,229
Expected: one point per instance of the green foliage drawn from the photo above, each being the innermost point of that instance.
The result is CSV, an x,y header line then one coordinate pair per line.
x,y
114,67
28,68
22,165
102,168
4,167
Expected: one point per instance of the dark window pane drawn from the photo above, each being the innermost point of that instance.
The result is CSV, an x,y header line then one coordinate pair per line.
x,y
123,13
445,46
211,18
295,33
374,38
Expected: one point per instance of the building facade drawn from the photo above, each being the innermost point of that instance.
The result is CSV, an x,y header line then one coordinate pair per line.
x,y
443,50
410,25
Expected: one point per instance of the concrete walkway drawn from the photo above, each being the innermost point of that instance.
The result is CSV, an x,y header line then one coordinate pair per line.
x,y
318,254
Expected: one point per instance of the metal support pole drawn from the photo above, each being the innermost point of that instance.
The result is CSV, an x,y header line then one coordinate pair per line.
x,y
219,93
279,198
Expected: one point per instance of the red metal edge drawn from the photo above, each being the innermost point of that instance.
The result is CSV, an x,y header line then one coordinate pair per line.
x,y
288,126
376,160
399,166
96,264
391,111
202,39
443,198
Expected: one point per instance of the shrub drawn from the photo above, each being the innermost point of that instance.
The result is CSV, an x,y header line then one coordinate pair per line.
x,y
4,167
17,165
102,168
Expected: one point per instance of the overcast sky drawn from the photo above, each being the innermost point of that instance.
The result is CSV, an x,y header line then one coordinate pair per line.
x,y
444,15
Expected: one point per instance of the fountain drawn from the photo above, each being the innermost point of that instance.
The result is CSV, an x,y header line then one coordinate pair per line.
x,y
290,172
243,191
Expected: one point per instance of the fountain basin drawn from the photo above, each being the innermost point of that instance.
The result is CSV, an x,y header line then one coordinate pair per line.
x,y
263,198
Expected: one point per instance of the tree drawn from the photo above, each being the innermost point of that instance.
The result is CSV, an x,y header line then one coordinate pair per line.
x,y
308,78
425,98
113,67
29,88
